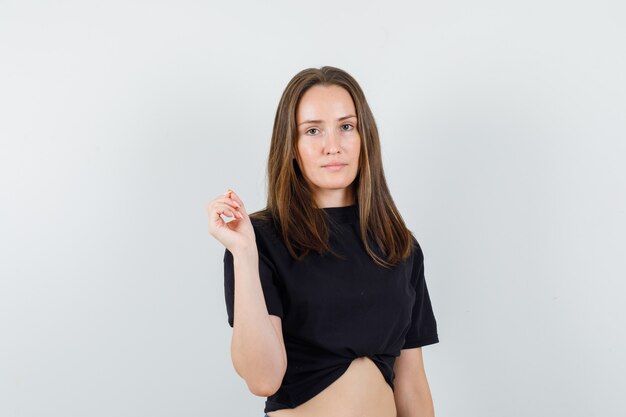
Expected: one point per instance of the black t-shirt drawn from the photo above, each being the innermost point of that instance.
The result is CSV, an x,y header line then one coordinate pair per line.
x,y
335,310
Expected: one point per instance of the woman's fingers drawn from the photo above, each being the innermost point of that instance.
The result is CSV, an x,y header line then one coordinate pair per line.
x,y
229,201
228,204
225,211
223,208
232,204
231,194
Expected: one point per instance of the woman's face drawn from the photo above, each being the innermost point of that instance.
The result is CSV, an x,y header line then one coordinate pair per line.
x,y
327,133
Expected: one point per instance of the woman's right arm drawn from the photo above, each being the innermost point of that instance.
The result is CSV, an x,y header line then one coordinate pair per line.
x,y
257,347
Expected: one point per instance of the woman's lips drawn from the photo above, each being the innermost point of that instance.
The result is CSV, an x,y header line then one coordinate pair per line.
x,y
335,167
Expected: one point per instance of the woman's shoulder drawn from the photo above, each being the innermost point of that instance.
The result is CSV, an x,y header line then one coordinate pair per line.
x,y
416,250
261,219
264,225
268,239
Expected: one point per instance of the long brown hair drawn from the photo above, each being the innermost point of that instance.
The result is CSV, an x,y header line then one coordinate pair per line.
x,y
290,203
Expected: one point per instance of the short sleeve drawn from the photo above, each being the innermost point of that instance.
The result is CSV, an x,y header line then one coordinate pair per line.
x,y
271,291
423,327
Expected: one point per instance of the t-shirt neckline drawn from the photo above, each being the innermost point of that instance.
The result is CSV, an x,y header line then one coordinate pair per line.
x,y
342,214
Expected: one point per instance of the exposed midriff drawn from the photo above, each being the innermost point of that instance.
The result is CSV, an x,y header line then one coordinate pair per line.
x,y
361,391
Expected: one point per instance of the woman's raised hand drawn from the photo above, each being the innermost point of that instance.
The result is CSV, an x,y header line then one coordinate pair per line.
x,y
236,234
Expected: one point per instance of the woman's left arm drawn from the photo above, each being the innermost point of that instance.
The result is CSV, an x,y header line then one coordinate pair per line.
x,y
411,390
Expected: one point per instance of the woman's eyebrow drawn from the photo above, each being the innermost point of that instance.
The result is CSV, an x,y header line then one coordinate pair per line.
x,y
320,121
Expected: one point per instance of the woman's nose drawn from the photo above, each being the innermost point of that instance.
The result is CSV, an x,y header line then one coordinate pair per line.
x,y
332,142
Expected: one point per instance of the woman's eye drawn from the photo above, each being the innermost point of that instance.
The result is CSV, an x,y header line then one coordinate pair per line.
x,y
310,130
350,126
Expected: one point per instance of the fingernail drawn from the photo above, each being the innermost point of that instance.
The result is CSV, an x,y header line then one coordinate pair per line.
x,y
236,203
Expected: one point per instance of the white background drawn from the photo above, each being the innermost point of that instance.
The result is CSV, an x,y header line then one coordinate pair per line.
x,y
504,138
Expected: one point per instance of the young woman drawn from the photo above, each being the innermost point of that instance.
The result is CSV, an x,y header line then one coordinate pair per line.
x,y
325,287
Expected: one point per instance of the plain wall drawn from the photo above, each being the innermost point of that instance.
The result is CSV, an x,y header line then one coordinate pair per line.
x,y
503,134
